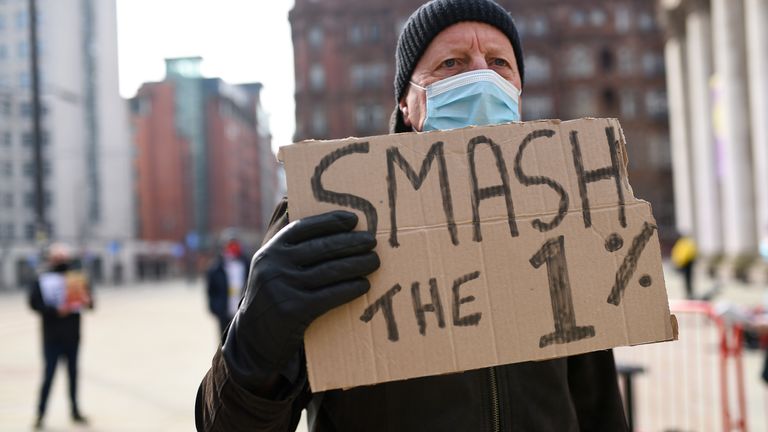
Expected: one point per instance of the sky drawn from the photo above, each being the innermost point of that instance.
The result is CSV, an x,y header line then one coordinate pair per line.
x,y
239,40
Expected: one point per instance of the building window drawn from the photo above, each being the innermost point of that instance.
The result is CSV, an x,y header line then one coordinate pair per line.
x,y
623,19
656,104
22,20
29,231
8,233
578,18
316,37
659,152
24,80
29,199
653,64
369,118
539,26
522,26
6,169
606,59
537,107
22,50
8,200
374,32
27,139
537,68
609,101
368,75
580,102
355,34
2,22
316,76
6,107
627,104
646,22
7,139
597,17
3,52
579,63
319,122
626,61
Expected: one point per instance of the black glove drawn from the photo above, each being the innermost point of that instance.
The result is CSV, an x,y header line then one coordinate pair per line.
x,y
308,268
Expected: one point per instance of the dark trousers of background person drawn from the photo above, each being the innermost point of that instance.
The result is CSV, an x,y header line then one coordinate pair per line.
x,y
52,352
687,271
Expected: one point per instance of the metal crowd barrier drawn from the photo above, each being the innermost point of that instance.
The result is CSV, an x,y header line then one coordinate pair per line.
x,y
693,384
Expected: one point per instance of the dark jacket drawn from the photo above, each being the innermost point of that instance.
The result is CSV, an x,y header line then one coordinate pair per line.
x,y
578,393
56,328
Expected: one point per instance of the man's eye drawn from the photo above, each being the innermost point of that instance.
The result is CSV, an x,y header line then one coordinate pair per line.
x,y
449,63
499,62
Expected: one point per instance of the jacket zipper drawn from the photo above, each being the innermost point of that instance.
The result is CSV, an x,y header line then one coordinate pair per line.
x,y
495,408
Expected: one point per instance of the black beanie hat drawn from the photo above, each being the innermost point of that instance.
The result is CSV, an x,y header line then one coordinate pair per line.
x,y
432,18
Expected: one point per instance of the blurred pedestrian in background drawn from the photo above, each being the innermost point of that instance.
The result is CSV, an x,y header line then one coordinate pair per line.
x,y
683,257
225,280
59,294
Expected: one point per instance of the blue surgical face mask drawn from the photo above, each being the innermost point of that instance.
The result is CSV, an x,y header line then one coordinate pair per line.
x,y
476,98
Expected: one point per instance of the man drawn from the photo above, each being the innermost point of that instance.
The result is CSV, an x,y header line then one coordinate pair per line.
x,y
59,295
225,281
459,63
684,257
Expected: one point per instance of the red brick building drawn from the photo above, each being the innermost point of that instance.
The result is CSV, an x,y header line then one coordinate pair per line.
x,y
583,58
162,158
204,159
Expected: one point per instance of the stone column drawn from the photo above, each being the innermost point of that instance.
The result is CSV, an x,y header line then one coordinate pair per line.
x,y
756,13
735,151
674,52
705,183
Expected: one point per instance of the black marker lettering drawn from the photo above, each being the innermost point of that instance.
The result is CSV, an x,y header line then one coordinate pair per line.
x,y
586,177
629,265
552,253
435,152
469,320
385,303
539,180
420,310
344,199
479,194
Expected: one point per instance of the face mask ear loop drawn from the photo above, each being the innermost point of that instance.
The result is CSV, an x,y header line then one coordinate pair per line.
x,y
418,86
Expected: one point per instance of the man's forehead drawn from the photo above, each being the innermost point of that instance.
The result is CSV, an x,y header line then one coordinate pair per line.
x,y
468,33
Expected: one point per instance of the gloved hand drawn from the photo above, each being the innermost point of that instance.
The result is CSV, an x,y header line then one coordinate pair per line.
x,y
308,268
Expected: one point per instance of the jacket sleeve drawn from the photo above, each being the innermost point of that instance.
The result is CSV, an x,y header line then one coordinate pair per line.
x,y
36,301
223,405
595,393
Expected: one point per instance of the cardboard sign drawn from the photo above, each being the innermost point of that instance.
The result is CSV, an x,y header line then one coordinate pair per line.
x,y
498,245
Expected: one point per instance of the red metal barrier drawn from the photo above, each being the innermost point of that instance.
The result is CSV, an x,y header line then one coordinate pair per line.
x,y
695,383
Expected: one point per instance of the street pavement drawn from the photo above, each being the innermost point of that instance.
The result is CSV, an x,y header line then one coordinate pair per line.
x,y
146,347
143,352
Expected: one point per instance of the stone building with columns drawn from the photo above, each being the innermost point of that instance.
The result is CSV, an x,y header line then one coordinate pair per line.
x,y
717,71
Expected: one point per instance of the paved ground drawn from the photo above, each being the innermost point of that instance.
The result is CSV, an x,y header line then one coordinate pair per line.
x,y
145,349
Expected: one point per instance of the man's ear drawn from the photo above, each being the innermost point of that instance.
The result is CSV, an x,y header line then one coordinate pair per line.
x,y
404,111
